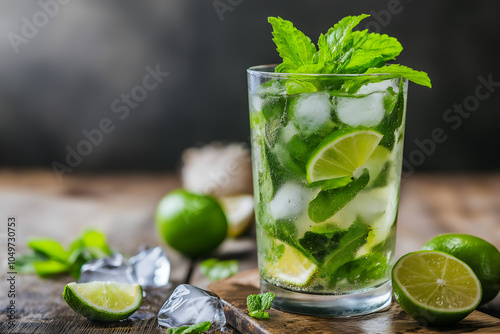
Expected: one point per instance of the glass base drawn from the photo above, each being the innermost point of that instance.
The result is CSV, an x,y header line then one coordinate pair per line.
x,y
357,303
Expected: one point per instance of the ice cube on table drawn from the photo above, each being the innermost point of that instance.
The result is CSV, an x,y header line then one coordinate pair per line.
x,y
312,112
362,111
189,305
289,201
114,269
151,266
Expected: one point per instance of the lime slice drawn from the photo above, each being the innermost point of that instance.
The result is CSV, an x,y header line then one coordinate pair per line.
x,y
292,267
341,153
239,213
435,288
103,301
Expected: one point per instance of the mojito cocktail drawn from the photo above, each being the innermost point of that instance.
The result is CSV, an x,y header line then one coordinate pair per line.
x,y
327,151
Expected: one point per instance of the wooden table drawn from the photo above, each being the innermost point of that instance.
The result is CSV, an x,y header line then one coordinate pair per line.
x,y
123,207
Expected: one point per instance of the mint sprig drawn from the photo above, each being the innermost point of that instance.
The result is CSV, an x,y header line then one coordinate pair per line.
x,y
216,270
258,304
341,51
49,257
193,329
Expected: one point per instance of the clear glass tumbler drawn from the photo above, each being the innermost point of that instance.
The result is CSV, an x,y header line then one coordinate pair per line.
x,y
327,153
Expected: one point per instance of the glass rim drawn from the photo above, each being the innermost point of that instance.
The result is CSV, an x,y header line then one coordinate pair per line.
x,y
260,70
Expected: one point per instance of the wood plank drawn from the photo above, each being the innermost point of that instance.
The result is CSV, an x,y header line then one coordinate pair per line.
x,y
234,291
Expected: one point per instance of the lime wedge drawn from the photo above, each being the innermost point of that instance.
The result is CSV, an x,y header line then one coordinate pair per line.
x,y
239,213
292,267
435,288
103,301
341,154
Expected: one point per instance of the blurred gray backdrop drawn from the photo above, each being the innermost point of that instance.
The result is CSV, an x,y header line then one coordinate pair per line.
x,y
130,84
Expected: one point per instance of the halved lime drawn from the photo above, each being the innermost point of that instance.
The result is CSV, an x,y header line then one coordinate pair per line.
x,y
479,254
341,154
103,301
292,267
435,288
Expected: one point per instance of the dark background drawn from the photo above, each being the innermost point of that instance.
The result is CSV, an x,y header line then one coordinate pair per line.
x,y
64,79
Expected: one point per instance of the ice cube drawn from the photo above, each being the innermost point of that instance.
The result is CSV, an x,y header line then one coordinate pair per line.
x,y
114,269
151,266
381,86
312,112
189,305
256,102
289,201
363,111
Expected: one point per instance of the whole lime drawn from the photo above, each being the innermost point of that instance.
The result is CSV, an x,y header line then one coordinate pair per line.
x,y
191,223
479,254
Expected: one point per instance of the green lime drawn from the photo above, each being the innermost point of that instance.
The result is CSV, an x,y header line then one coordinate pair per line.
x,y
341,153
435,288
103,301
190,223
291,267
479,254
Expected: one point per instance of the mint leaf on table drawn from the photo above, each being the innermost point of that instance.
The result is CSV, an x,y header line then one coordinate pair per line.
x,y
294,47
193,329
330,201
258,304
50,258
216,270
49,247
340,51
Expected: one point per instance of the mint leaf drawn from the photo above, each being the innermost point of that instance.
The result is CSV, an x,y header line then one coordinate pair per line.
x,y
395,71
50,268
91,238
257,304
49,247
24,263
367,268
50,258
320,245
387,47
329,201
346,249
259,314
330,45
193,329
216,270
295,48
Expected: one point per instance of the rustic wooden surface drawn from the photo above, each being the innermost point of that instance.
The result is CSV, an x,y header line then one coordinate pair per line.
x,y
123,207
234,291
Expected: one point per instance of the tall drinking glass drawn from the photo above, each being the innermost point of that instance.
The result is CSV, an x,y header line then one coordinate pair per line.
x,y
327,153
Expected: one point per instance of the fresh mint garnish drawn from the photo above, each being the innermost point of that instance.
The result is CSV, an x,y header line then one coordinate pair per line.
x,y
294,47
49,257
193,329
340,51
258,304
216,270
